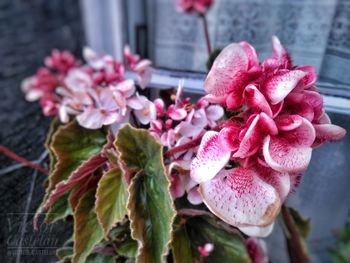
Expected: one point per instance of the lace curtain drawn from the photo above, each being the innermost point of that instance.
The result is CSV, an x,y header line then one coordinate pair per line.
x,y
316,32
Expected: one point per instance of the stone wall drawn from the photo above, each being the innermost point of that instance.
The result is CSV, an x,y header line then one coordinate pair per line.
x,y
29,29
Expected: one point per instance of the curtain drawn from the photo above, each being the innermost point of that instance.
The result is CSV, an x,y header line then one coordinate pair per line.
x,y
316,32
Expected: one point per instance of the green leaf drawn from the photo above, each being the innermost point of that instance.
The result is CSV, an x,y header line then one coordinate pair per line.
x,y
55,124
60,209
72,145
97,258
87,231
340,252
181,247
128,248
229,246
150,206
64,253
52,130
303,224
111,197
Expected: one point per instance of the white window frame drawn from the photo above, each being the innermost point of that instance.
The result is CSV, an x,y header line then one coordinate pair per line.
x,y
105,30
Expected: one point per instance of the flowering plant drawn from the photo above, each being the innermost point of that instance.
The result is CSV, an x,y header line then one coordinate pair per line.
x,y
204,180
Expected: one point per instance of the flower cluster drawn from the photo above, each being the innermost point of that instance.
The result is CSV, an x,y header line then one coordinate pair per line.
x,y
97,92
178,124
280,120
194,6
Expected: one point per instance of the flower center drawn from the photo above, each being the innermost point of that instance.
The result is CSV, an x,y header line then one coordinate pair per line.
x,y
145,112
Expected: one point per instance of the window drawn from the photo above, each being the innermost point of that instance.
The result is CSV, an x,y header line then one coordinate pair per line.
x,y
315,32
174,42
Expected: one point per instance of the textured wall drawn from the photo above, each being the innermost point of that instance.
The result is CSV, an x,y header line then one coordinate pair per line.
x,y
28,31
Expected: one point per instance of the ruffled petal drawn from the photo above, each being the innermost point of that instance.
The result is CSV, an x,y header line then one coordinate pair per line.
x,y
311,77
250,142
329,132
280,181
282,83
253,59
281,156
211,157
241,198
256,100
228,71
288,122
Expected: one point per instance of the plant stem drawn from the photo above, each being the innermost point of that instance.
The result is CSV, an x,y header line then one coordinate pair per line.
x,y
20,159
206,33
136,123
183,147
295,248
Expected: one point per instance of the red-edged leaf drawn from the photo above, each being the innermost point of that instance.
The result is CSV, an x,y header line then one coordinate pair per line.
x,y
81,188
83,172
71,145
87,231
111,197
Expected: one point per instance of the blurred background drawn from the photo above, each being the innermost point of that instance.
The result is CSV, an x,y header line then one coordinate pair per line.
x,y
316,32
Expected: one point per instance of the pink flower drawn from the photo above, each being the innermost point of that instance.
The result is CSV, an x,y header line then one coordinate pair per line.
x,y
103,112
257,250
182,183
206,249
49,104
194,6
271,139
104,69
43,83
72,103
77,80
123,93
144,110
180,123
141,67
61,61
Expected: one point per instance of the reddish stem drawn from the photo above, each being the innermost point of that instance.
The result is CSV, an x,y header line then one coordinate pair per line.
x,y
183,147
137,124
295,248
206,33
20,159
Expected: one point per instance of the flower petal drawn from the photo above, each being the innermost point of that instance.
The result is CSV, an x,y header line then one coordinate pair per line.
x,y
311,76
211,157
228,71
135,103
214,112
250,142
256,100
281,156
282,83
194,197
241,198
91,119
329,132
280,181
251,53
288,122
257,231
